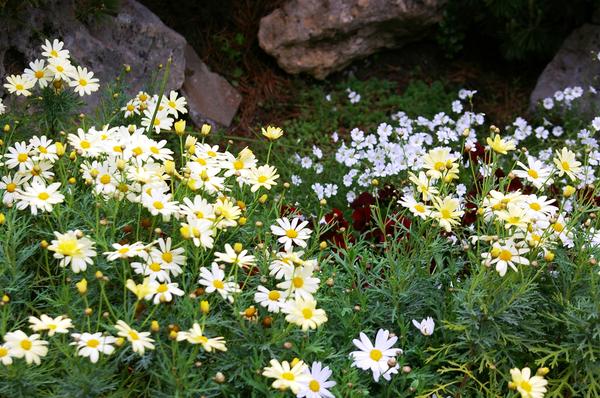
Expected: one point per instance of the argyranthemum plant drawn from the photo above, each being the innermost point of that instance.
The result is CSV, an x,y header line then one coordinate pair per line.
x,y
140,258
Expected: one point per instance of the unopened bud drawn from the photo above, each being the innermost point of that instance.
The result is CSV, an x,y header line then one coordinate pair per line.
x,y
204,307
180,128
82,286
205,130
219,378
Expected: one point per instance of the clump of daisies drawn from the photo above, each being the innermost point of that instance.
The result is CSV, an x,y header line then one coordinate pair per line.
x,y
156,113
54,70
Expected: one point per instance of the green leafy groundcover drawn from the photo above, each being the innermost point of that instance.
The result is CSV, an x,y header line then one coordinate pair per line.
x,y
140,257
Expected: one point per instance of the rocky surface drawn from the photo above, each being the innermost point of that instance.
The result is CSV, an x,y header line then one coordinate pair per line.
x,y
208,94
134,36
575,64
319,37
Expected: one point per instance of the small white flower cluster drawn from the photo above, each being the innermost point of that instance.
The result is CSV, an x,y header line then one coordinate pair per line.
x,y
56,69
353,96
564,97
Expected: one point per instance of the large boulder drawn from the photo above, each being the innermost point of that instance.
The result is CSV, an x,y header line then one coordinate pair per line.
x,y
133,36
575,64
319,37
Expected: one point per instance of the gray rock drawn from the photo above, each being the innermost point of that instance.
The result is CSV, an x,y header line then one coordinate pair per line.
x,y
319,37
134,36
575,64
210,97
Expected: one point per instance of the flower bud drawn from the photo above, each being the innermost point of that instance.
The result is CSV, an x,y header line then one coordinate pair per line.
x,y
60,149
82,286
238,247
263,198
568,191
219,378
204,307
2,218
205,130
169,167
154,326
542,371
242,220
180,127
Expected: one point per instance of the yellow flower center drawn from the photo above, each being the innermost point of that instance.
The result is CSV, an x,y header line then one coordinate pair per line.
x,y
218,284
59,68
137,151
291,233
288,376
156,121
11,187
445,213
505,255
558,227
439,166
105,179
158,205
130,107
375,354
525,385
123,250
172,104
298,282
314,386
26,344
201,161
133,335
274,295
262,179
420,208
83,82
154,150
307,313
54,53
22,157
565,165
155,267
238,165
250,312
19,87
3,352
212,154
43,196
167,257
68,247
162,288
532,173
84,144
42,149
92,343
535,206
39,74
201,339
